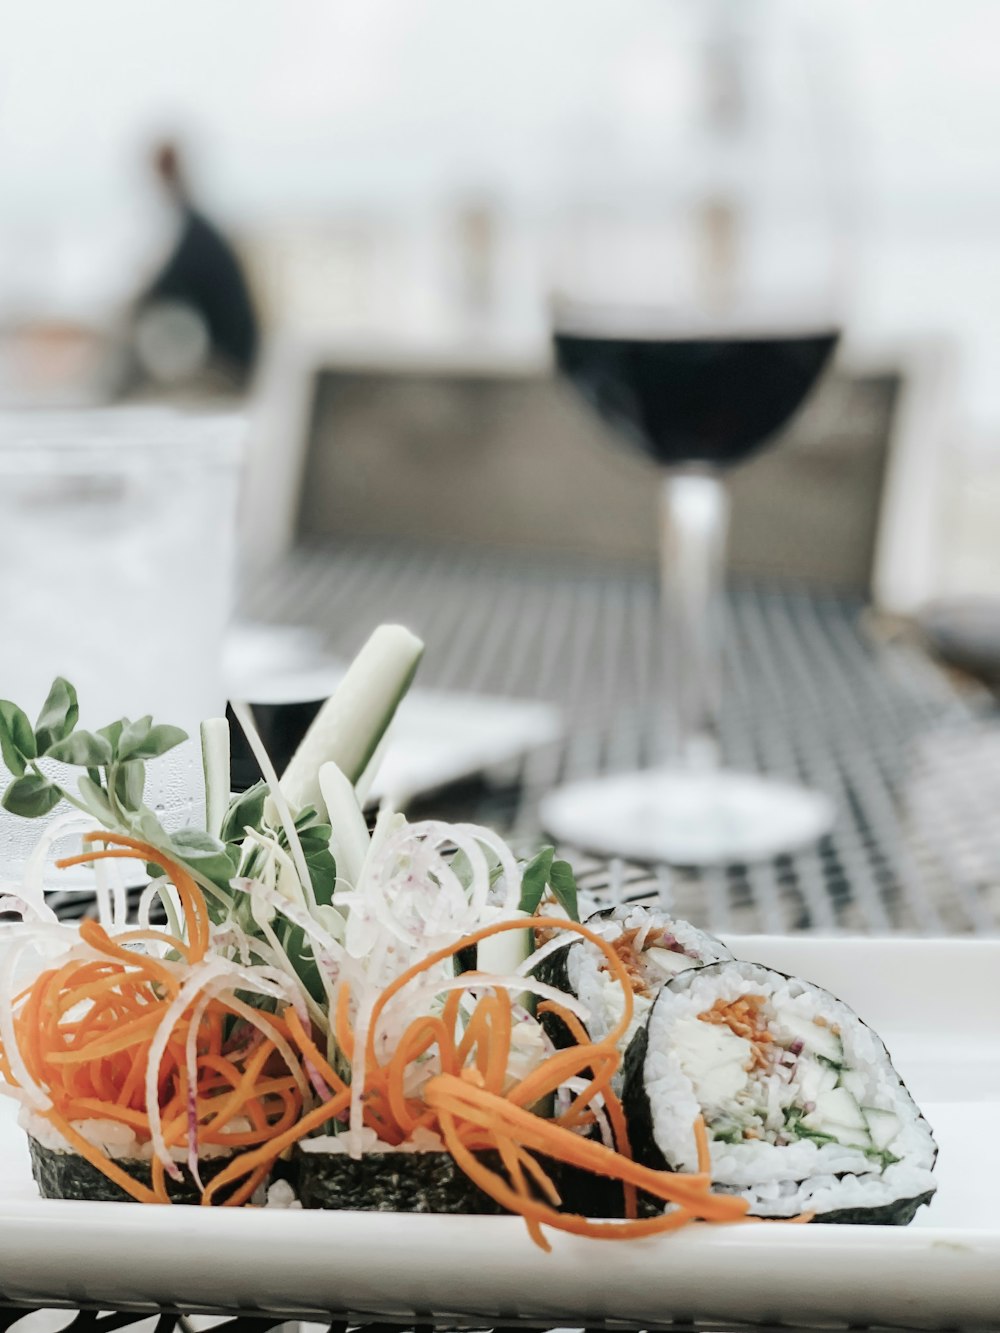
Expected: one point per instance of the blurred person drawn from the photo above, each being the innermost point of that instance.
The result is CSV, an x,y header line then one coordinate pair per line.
x,y
198,311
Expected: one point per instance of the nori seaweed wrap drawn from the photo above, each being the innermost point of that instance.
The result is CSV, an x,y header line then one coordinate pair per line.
x,y
66,1175
387,1180
426,1180
803,1110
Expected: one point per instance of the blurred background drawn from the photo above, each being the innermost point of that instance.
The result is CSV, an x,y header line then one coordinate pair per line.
x,y
349,223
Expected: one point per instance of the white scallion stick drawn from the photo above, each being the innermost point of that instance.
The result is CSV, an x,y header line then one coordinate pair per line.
x,y
215,761
348,728
504,953
244,716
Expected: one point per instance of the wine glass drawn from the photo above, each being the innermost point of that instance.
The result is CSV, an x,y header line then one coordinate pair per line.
x,y
695,318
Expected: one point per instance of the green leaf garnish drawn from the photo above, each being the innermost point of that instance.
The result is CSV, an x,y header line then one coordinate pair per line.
x,y
562,882
130,783
151,742
144,824
95,798
544,872
17,740
31,796
534,878
58,716
112,733
209,856
86,749
245,811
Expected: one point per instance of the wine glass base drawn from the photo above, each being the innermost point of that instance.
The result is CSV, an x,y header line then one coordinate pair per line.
x,y
687,818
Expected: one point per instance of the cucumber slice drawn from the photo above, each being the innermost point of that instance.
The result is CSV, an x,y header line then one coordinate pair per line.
x,y
838,1115
838,1107
215,762
883,1126
348,728
809,1078
504,953
814,1079
815,1039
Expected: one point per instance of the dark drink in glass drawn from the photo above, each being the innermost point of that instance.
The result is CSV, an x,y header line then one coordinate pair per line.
x,y
697,401
698,398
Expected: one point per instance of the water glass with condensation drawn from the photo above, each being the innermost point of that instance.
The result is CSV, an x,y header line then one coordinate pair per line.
x,y
117,561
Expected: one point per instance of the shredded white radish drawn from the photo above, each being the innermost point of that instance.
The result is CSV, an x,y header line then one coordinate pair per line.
x,y
244,715
199,978
191,1065
28,1090
13,902
419,999
212,977
33,879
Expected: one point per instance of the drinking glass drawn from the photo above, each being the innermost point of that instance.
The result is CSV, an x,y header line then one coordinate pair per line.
x,y
694,314
117,561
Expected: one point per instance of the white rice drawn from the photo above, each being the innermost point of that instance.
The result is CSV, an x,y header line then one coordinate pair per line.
x,y
114,1139
421,1140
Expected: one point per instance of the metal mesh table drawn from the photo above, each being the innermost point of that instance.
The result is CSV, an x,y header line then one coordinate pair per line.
x,y
814,691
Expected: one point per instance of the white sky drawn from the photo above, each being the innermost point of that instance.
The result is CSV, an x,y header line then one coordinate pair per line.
x,y
306,101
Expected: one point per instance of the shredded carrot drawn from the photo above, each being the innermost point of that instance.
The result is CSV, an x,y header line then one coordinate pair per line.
x,y
342,1021
701,1141
269,1152
472,1111
84,1031
310,1050
191,898
459,1096
535,1212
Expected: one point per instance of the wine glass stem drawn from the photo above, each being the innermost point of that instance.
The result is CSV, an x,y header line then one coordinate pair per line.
x,y
694,520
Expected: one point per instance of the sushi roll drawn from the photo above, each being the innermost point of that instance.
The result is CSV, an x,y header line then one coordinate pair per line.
x,y
358,1169
61,1173
803,1110
142,1072
654,948
419,1176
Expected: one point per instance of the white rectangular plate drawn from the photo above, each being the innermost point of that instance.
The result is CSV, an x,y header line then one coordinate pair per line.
x,y
936,1003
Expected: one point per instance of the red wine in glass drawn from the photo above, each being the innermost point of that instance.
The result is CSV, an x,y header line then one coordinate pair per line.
x,y
695,399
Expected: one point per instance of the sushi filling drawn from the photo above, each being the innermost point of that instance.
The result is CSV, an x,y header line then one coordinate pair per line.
x,y
770,1074
793,1088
